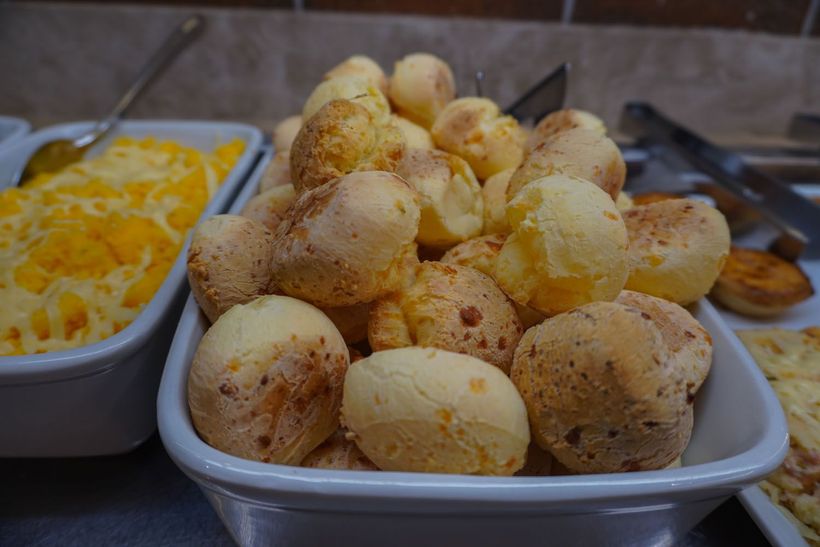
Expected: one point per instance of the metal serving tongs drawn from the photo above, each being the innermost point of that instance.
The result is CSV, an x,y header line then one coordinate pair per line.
x,y
544,97
797,217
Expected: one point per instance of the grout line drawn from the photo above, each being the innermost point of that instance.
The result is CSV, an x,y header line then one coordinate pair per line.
x,y
567,12
809,19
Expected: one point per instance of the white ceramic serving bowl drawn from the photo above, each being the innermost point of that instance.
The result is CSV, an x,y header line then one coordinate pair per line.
x,y
739,437
100,398
12,130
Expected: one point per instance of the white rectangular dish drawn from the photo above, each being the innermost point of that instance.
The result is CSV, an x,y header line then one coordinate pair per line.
x,y
739,437
12,129
100,398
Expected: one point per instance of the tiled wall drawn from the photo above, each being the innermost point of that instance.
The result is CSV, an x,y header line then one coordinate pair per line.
x,y
68,62
776,16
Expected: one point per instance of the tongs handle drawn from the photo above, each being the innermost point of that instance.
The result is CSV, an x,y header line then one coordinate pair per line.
x,y
793,214
544,97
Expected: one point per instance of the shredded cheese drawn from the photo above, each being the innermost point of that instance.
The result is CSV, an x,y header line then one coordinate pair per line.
x,y
84,249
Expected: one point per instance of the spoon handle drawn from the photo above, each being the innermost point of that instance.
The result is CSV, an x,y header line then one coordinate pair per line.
x,y
173,45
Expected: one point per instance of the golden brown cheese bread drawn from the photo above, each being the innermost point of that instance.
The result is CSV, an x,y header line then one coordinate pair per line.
x,y
578,152
568,246
420,88
600,405
450,307
363,67
624,202
689,343
338,453
229,263
270,206
266,380
352,88
452,209
285,131
434,411
414,135
475,129
347,242
277,172
341,138
494,192
562,120
646,198
676,249
791,362
760,284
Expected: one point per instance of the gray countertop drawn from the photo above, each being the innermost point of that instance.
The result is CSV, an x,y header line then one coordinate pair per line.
x,y
142,498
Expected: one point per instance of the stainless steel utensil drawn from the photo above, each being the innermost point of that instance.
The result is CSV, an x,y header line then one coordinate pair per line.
x,y
57,154
797,217
544,97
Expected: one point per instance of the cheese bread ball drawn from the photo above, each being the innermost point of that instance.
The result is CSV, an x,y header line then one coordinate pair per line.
x,y
285,131
603,393
343,137
568,246
352,88
676,249
494,192
480,253
277,173
347,242
351,321
266,380
270,206
363,67
452,209
229,263
414,135
475,129
561,120
338,453
689,343
430,410
577,152
450,307
623,202
420,88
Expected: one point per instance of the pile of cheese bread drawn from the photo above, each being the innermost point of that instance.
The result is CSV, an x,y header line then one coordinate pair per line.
x,y
424,285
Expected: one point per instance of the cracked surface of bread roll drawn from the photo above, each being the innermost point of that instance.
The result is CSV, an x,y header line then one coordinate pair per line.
x,y
452,209
266,380
270,206
347,242
677,249
455,308
343,137
420,87
494,192
414,135
363,67
568,246
475,129
338,453
689,343
579,152
600,404
229,263
277,172
562,120
285,131
352,88
429,410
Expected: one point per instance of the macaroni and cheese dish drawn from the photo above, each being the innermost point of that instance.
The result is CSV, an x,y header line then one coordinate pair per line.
x,y
82,250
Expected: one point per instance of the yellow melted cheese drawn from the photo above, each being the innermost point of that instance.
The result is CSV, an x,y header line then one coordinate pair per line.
x,y
84,249
791,362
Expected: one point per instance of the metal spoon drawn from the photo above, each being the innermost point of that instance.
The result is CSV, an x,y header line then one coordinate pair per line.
x,y
55,155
